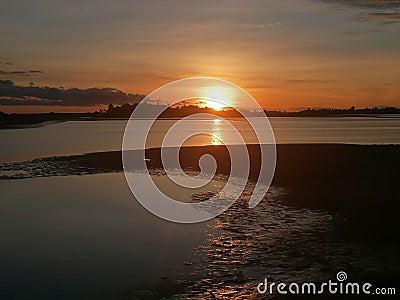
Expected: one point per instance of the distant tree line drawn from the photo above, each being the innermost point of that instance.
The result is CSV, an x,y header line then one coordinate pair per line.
x,y
124,111
326,112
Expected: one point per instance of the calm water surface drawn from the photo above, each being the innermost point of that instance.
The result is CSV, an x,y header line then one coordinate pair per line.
x,y
77,137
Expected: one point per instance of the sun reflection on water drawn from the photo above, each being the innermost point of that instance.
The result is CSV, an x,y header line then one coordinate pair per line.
x,y
216,138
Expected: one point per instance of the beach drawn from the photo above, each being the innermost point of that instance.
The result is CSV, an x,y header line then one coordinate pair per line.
x,y
321,215
174,150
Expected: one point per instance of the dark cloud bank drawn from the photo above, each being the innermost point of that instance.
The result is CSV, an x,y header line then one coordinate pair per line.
x,y
385,11
12,95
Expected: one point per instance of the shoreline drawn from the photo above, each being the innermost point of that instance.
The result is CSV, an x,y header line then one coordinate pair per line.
x,y
41,120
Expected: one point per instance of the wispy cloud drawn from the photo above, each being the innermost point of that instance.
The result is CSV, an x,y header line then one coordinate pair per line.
x,y
21,73
384,11
12,95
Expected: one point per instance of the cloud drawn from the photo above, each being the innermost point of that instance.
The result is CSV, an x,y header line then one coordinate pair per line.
x,y
12,95
21,73
385,17
383,11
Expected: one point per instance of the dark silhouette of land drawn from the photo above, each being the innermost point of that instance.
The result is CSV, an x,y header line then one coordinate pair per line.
x,y
12,121
124,111
335,112
17,121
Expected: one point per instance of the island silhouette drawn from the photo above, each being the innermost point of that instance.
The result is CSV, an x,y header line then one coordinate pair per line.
x,y
124,111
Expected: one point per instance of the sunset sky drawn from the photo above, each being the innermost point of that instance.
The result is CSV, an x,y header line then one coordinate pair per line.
x,y
289,54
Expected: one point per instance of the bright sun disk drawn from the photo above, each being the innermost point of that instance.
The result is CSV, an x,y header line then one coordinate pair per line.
x,y
217,97
214,104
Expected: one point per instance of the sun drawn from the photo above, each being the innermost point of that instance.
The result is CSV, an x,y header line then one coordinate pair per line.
x,y
214,104
217,97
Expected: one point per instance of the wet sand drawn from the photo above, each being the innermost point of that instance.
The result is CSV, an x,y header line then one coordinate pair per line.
x,y
330,208
357,181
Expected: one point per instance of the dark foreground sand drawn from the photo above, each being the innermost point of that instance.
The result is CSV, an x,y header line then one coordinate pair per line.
x,y
359,182
357,185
